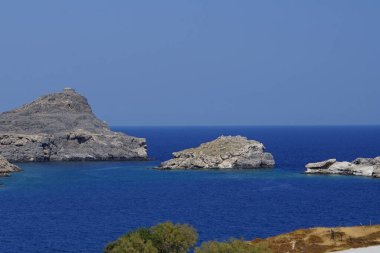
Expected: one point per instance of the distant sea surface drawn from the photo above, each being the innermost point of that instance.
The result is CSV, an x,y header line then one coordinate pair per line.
x,y
81,206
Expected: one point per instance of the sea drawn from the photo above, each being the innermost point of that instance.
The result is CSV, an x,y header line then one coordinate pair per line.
x,y
81,206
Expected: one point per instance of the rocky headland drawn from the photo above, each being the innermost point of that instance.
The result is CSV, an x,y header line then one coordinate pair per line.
x,y
6,167
226,152
62,127
369,167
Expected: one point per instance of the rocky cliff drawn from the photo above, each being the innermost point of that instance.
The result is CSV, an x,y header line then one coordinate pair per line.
x,y
226,152
369,167
6,168
62,127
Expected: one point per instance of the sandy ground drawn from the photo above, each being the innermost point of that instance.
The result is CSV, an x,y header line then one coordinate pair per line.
x,y
373,249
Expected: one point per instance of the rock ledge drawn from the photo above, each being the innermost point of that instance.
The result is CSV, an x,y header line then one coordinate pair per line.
x,y
6,167
369,167
226,152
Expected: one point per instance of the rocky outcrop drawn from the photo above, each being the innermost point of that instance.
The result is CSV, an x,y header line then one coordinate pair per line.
x,y
62,127
226,152
369,167
6,167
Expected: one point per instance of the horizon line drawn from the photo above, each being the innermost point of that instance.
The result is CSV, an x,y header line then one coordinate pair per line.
x,y
284,125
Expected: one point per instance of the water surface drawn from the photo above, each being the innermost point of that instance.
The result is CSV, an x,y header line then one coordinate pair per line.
x,y
80,206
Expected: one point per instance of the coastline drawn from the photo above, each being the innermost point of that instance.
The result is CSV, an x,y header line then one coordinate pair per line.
x,y
131,195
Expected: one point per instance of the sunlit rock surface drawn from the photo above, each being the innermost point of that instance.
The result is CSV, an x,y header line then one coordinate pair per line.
x,y
226,152
62,127
369,167
6,167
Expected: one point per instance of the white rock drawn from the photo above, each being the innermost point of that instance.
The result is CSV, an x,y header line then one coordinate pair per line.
x,y
369,167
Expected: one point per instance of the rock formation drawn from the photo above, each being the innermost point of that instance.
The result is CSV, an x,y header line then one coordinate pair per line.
x,y
6,167
369,167
226,152
62,127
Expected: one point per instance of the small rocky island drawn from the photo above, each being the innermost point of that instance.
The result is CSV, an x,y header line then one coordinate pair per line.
x,y
226,152
62,127
6,167
369,167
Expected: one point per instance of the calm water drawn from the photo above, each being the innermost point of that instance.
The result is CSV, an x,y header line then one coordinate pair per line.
x,y
79,207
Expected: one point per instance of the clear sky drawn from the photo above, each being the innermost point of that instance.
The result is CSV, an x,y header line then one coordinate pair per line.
x,y
197,62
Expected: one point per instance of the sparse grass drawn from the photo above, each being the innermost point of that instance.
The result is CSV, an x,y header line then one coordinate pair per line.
x,y
221,146
323,240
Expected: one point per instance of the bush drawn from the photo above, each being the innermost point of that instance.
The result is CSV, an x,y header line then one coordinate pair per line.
x,y
170,238
232,246
131,243
163,238
176,238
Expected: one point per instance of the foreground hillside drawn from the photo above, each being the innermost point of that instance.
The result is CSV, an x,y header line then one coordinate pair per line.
x,y
322,240
181,238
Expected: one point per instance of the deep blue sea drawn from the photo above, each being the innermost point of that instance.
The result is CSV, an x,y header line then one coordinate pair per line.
x,y
80,206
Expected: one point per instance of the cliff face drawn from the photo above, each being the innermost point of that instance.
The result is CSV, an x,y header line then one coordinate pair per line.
x,y
226,152
6,168
369,167
62,126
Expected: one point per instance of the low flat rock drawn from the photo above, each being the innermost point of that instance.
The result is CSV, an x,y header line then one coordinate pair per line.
x,y
62,127
6,167
369,167
226,152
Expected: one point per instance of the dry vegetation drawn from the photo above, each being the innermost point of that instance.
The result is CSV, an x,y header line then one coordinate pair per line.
x,y
322,240
224,145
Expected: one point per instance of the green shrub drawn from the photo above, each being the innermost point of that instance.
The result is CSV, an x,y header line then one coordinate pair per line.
x,y
176,238
131,243
170,238
232,246
162,238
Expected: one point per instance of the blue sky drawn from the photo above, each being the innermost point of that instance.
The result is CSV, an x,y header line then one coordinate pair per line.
x,y
198,62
